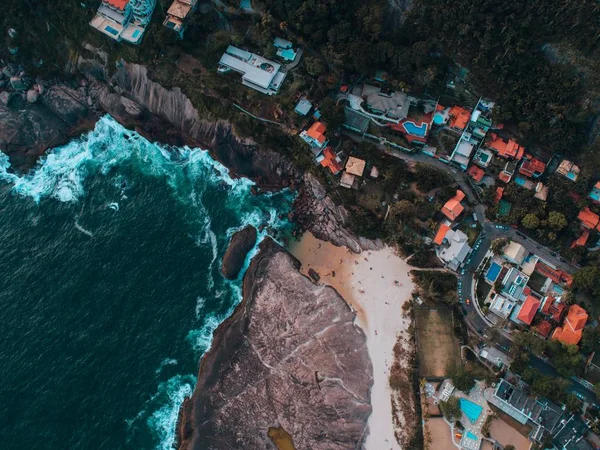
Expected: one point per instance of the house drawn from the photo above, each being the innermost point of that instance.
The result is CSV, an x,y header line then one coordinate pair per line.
x,y
303,107
441,233
374,172
582,239
543,328
595,192
552,307
330,160
177,16
315,135
501,306
568,170
356,120
476,173
347,180
571,435
355,166
285,49
572,329
532,168
456,251
459,118
483,157
514,284
498,195
541,192
495,356
123,20
508,171
453,208
257,72
379,105
528,310
505,149
555,274
515,253
463,150
588,218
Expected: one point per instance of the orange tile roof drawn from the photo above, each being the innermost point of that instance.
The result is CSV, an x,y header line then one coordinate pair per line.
x,y
588,218
543,328
506,149
476,173
528,310
532,167
499,193
553,308
459,117
330,161
504,177
316,131
597,185
119,4
453,208
581,240
572,329
441,234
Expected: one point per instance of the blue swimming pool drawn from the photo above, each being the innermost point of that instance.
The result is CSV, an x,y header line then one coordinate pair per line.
x,y
471,436
135,34
111,30
471,410
520,181
438,119
414,129
493,272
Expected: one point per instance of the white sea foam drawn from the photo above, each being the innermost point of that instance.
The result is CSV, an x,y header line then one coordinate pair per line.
x,y
166,362
83,230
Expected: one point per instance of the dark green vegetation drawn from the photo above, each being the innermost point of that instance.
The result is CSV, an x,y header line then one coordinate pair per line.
x,y
451,408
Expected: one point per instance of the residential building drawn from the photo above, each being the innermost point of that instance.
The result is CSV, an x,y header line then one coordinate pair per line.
x,y
456,250
505,148
356,120
555,274
123,20
441,233
515,253
508,171
257,72
453,208
595,193
543,328
588,218
553,307
285,49
495,356
355,166
582,239
315,135
483,157
571,331
528,310
568,170
514,284
499,194
330,160
532,167
379,105
501,306
571,435
303,107
347,180
177,15
476,173
541,192
459,118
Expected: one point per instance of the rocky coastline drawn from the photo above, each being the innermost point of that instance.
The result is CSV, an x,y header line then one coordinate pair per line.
x,y
290,356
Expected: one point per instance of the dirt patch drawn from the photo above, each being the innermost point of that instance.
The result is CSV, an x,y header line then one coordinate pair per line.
x,y
441,439
505,435
437,347
511,423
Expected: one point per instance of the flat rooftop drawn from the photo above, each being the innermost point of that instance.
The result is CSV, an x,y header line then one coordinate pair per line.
x,y
255,69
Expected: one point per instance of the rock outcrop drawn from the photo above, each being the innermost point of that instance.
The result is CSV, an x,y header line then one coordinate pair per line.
x,y
240,244
315,211
289,356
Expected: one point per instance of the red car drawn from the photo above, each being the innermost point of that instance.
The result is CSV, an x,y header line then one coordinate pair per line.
x,y
468,301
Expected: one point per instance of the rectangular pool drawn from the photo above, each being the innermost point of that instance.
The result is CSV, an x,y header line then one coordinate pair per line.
x,y
493,272
470,409
471,436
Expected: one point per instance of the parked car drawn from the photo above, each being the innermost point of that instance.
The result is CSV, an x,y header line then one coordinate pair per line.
x,y
468,302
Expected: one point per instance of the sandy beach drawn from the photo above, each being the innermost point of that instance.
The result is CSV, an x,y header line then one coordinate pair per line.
x,y
376,284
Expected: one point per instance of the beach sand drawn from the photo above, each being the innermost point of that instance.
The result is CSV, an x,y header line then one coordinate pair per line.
x,y
376,284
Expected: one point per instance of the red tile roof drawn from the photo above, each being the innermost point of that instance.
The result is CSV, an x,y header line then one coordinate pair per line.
x,y
506,149
499,193
553,308
556,275
316,131
119,4
572,329
504,177
453,208
528,310
330,160
531,167
441,234
588,218
543,328
581,240
476,173
459,117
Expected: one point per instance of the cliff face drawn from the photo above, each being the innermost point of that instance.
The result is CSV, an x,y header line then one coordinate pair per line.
x,y
289,356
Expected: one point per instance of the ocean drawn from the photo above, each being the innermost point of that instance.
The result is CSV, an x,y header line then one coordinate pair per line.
x,y
110,287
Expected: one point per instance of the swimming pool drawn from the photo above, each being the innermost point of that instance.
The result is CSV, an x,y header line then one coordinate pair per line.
x,y
520,181
471,436
471,410
438,119
414,129
493,272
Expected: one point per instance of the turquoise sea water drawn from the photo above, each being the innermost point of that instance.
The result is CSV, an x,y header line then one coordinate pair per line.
x,y
110,287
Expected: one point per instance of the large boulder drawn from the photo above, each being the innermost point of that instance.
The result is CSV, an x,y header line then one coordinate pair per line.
x,y
241,243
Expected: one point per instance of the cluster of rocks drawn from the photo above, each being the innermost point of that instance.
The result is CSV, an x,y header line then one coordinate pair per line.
x,y
316,212
290,356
